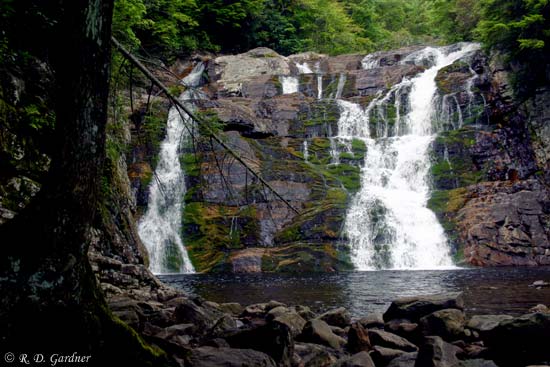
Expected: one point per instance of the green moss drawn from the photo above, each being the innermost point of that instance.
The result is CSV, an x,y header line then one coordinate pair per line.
x,y
347,174
210,231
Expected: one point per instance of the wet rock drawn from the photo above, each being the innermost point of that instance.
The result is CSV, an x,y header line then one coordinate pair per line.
x,y
404,360
374,320
437,353
228,357
413,308
383,356
448,324
540,284
313,355
338,317
520,341
339,331
358,338
361,359
389,340
318,331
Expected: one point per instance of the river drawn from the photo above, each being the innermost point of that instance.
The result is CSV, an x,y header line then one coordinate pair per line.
x,y
486,290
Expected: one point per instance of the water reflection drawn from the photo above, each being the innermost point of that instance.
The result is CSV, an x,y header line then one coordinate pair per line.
x,y
486,291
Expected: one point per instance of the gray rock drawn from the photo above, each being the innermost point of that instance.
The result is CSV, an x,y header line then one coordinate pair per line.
x,y
414,308
476,363
437,353
232,308
484,323
382,356
313,355
404,328
338,317
294,322
190,312
404,360
448,324
389,340
318,331
361,359
227,357
374,320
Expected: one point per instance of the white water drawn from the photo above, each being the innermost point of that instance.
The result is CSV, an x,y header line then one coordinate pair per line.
x,y
160,227
389,224
304,68
305,150
370,62
289,83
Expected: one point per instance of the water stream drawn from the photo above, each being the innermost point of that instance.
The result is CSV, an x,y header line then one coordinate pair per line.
x,y
388,224
160,227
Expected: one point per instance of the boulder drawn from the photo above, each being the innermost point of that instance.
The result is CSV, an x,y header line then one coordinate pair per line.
x,y
485,323
294,322
338,317
404,360
382,356
374,320
273,338
358,338
318,331
232,308
414,308
448,324
227,357
437,353
193,312
313,355
361,359
520,341
476,363
303,311
404,328
389,340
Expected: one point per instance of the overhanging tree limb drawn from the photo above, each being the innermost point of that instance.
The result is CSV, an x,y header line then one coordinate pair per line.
x,y
199,121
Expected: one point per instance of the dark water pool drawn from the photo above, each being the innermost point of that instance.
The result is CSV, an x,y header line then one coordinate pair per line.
x,y
486,291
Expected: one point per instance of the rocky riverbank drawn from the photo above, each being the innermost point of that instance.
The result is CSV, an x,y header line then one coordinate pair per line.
x,y
430,331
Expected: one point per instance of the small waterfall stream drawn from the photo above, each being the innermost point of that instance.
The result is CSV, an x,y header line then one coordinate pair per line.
x,y
388,223
160,227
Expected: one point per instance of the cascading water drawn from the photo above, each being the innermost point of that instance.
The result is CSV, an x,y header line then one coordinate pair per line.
x,y
160,227
289,84
388,223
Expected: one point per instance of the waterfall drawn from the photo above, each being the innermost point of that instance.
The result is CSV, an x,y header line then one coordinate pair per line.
x,y
289,83
304,68
388,223
340,87
305,151
319,80
370,62
160,227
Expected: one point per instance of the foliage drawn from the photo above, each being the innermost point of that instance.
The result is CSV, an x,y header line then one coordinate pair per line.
x,y
520,29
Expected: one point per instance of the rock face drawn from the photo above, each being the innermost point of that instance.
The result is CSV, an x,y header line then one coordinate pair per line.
x,y
491,175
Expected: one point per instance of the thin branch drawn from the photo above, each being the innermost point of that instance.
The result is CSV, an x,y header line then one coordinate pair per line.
x,y
207,128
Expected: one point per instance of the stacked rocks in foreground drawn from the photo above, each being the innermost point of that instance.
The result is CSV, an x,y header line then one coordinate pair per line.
x,y
430,331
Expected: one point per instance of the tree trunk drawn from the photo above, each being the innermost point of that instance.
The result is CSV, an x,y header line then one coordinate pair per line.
x,y
50,300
